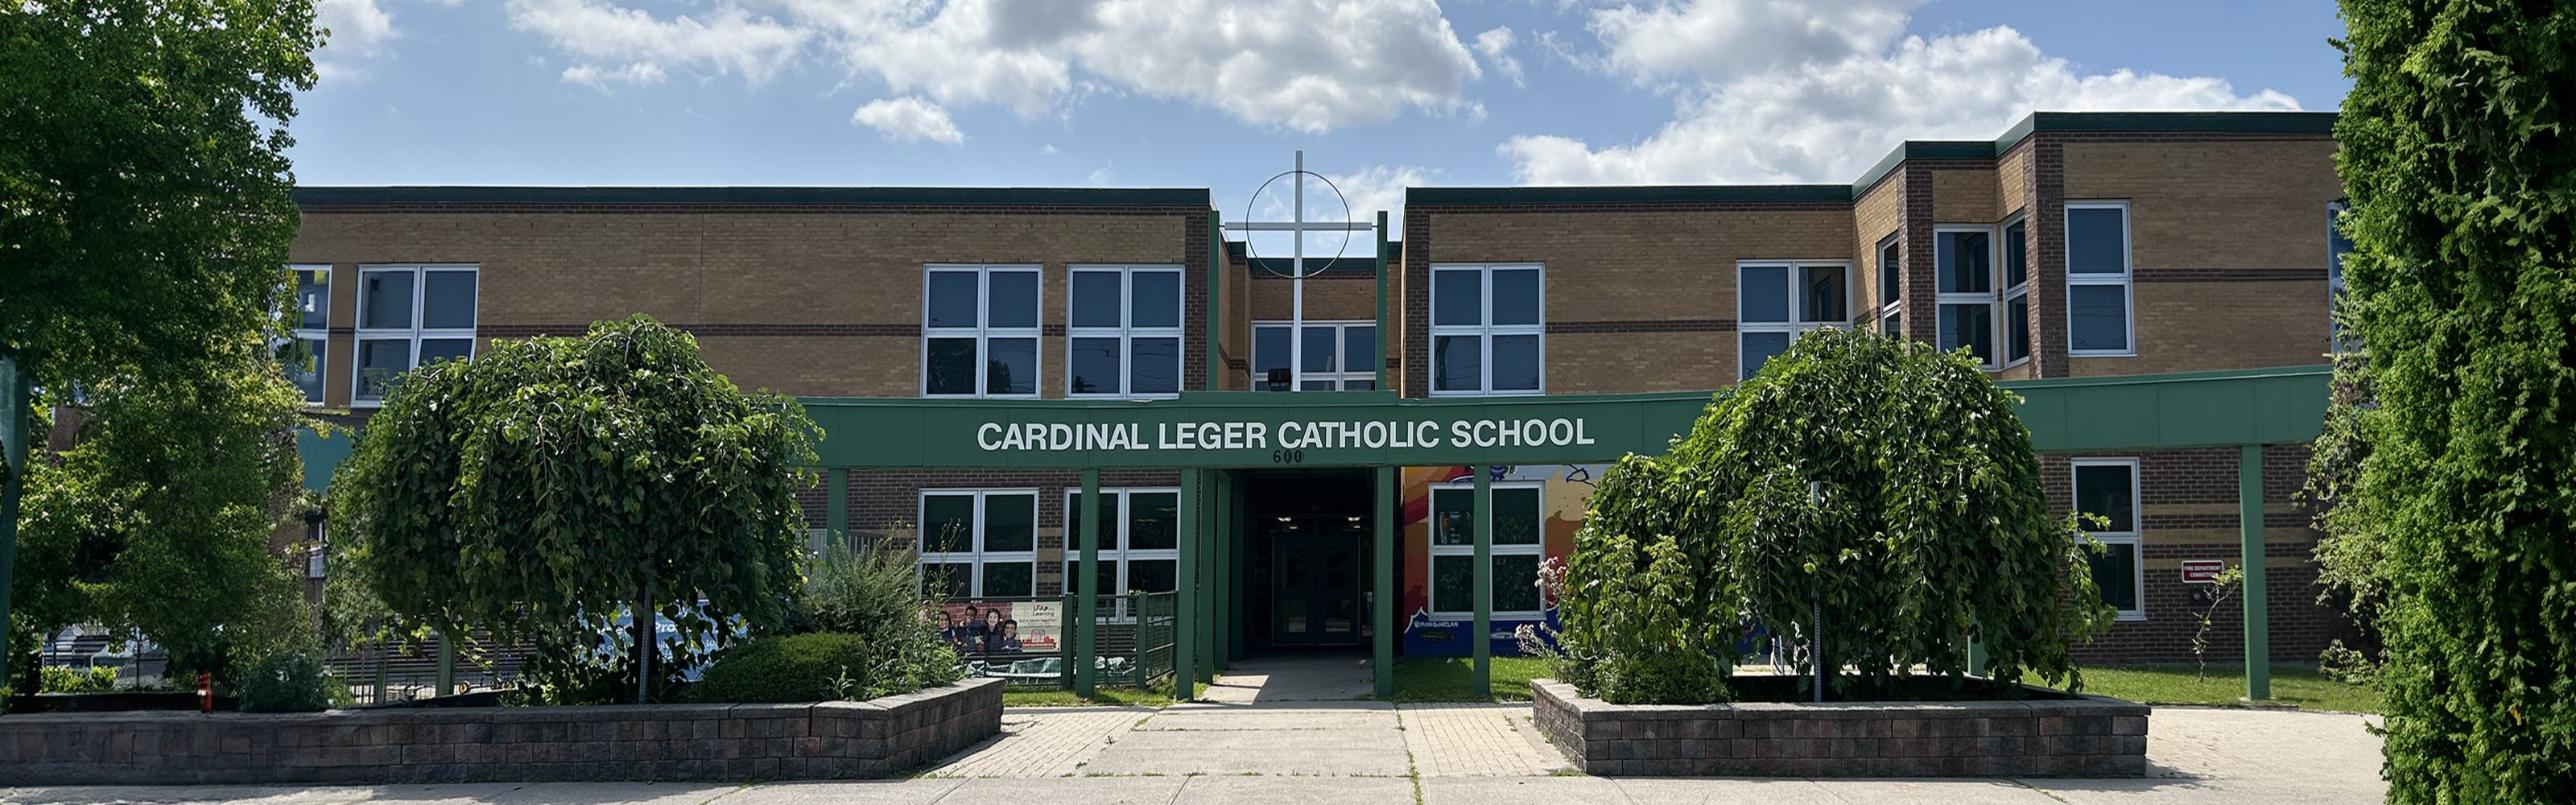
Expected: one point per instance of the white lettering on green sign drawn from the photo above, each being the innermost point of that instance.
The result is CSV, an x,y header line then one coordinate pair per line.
x,y
1286,435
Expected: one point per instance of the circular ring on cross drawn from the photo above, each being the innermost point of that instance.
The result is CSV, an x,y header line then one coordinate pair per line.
x,y
1252,258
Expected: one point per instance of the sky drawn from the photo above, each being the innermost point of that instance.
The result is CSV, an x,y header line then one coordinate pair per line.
x,y
1218,94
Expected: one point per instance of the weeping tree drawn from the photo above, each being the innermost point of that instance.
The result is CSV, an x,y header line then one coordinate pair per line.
x,y
541,488
2461,165
1874,504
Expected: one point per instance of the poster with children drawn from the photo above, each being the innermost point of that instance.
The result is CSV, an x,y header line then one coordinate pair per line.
x,y
999,628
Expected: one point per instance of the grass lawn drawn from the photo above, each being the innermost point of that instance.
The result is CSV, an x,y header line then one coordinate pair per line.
x,y
1065,698
1429,679
2180,684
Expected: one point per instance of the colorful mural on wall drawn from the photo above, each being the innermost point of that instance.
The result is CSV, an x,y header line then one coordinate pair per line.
x,y
1536,511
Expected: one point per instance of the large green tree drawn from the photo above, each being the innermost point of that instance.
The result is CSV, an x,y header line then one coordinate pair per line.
x,y
545,485
144,208
1872,502
2460,160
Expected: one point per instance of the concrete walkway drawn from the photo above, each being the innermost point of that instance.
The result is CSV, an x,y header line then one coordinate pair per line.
x,y
1289,731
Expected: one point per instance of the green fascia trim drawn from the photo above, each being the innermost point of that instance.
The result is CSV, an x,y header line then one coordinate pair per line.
x,y
2175,411
2219,122
1008,196
915,433
1647,194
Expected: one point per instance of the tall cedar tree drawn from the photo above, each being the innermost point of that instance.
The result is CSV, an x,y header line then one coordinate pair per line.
x,y
2461,166
541,487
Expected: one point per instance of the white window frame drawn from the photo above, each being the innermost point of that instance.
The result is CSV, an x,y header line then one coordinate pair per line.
x,y
1127,332
1538,549
1487,330
983,332
416,333
1123,515
1340,378
1888,313
319,340
1992,298
2126,280
1797,304
2006,295
975,556
2132,538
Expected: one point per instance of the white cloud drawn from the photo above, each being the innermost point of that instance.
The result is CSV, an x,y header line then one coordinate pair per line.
x,y
1720,39
1380,187
728,41
1496,44
1828,120
1308,65
360,31
909,119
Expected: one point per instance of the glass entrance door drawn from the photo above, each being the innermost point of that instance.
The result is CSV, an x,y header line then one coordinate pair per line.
x,y
1316,578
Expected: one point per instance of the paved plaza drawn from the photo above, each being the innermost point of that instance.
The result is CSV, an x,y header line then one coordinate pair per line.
x,y
1292,731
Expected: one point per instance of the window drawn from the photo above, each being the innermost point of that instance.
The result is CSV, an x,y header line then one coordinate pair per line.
x,y
1338,355
308,315
979,544
2016,284
1123,329
980,331
1963,266
1487,331
1516,551
2097,279
1890,290
410,316
2337,245
2108,488
1774,302
1140,546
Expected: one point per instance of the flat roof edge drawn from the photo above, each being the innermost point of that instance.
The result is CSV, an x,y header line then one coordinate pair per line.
x,y
963,196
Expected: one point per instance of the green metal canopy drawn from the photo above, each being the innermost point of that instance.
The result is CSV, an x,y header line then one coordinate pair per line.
x,y
1210,430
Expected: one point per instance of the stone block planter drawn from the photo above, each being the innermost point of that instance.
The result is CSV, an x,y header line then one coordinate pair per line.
x,y
874,738
2080,736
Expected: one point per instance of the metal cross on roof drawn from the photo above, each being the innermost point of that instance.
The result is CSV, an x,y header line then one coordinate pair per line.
x,y
1297,226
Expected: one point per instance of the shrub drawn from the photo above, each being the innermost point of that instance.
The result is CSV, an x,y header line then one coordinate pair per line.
x,y
288,682
818,666
1876,498
79,680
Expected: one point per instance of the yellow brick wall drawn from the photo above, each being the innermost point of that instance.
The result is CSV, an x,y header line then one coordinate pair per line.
x,y
1963,197
2229,205
854,268
2209,326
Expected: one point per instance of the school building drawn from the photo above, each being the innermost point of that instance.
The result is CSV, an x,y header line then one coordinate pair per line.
x,y
991,364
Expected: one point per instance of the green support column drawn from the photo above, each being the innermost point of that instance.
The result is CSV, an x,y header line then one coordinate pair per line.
x,y
2249,515
16,398
836,514
1380,366
1086,590
1185,606
1204,611
1234,604
1221,582
1215,302
446,665
1382,587
1483,508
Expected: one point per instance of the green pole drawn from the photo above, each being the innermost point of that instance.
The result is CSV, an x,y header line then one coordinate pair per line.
x,y
836,516
1382,588
1215,301
16,398
1086,598
1221,582
1185,608
1204,614
2249,518
446,665
1483,507
1234,604
1380,367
